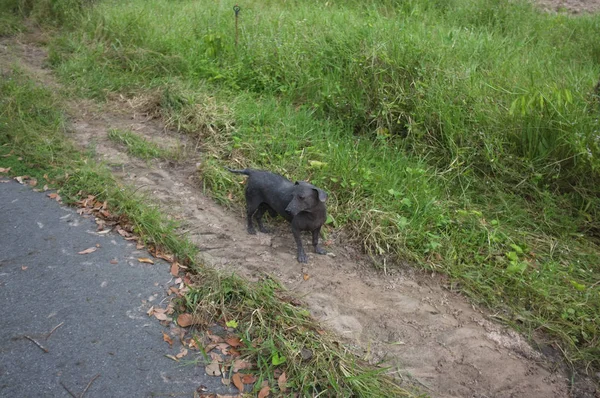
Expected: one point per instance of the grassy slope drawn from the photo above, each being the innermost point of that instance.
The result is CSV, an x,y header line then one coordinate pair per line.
x,y
33,142
461,135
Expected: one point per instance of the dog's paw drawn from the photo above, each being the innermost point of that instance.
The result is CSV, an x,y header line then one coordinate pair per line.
x,y
302,258
251,231
320,250
265,230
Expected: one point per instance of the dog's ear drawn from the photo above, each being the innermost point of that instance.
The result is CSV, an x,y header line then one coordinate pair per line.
x,y
322,194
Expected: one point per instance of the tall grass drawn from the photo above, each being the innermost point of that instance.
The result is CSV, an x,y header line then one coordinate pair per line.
x,y
462,135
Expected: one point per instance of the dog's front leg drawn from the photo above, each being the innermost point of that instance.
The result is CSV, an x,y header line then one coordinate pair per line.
x,y
315,241
302,257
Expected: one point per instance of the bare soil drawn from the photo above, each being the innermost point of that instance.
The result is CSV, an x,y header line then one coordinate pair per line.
x,y
571,6
433,337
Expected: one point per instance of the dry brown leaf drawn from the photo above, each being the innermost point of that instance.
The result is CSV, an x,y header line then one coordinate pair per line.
x,y
4,170
234,353
184,320
32,182
240,364
233,341
88,251
213,369
264,392
182,353
161,316
237,382
175,268
168,339
114,261
145,260
224,347
281,382
214,338
215,357
172,357
306,277
248,379
193,345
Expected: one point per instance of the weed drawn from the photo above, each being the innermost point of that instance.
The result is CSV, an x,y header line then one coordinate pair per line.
x,y
141,147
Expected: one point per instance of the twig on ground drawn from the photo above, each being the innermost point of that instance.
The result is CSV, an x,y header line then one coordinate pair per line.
x,y
69,391
84,391
52,331
89,384
36,343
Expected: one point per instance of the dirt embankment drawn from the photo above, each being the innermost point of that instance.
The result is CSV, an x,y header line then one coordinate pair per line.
x,y
432,336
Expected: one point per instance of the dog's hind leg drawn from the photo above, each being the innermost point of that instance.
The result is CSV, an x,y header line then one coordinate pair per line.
x,y
315,241
262,209
251,209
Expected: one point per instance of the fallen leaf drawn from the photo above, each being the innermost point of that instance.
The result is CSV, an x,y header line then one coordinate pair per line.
x,y
281,382
213,369
172,357
167,339
145,260
306,277
215,357
240,364
234,353
32,182
182,353
214,338
225,382
234,342
88,251
23,267
248,379
161,316
237,382
264,392
150,311
184,320
20,179
139,246
175,268
193,345
4,170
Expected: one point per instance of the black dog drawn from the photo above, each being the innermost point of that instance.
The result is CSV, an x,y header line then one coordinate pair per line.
x,y
302,204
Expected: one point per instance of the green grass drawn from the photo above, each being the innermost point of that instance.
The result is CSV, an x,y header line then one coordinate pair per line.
x,y
461,135
139,146
32,134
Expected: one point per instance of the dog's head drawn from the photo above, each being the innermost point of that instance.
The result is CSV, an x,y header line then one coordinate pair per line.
x,y
307,198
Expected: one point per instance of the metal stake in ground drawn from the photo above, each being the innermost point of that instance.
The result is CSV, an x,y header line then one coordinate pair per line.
x,y
236,9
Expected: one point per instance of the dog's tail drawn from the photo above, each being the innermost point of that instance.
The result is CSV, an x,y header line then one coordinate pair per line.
x,y
245,171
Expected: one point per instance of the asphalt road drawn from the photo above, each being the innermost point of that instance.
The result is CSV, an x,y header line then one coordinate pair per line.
x,y
101,309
